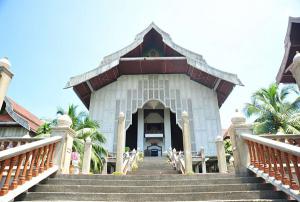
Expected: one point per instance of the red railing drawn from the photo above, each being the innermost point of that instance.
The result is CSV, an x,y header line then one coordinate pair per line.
x,y
277,159
21,163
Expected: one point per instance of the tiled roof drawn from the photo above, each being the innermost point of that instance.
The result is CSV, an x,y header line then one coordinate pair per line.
x,y
6,118
23,114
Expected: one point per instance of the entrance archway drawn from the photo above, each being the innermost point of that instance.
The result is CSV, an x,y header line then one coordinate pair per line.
x,y
131,133
176,134
154,130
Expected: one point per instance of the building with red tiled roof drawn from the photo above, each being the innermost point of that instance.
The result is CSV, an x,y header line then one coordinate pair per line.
x,y
16,121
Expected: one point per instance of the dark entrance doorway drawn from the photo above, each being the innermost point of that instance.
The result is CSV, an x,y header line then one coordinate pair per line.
x,y
131,133
176,134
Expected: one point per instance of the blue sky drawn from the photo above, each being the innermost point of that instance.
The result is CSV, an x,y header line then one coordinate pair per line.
x,y
49,42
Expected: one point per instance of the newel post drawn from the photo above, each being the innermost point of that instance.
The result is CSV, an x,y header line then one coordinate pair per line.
x,y
239,146
187,143
64,148
86,164
120,142
5,78
221,155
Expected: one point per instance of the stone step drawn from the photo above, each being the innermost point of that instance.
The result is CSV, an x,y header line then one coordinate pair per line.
x,y
151,182
189,196
151,189
147,177
243,200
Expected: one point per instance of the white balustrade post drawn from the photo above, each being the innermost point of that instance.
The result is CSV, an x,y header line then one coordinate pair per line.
x,y
120,142
64,148
187,143
86,164
5,78
239,147
203,160
104,168
221,155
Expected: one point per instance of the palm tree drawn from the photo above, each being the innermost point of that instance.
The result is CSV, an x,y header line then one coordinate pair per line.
x,y
86,127
45,128
72,113
273,111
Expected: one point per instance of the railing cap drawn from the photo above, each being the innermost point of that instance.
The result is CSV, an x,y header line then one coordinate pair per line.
x,y
15,151
238,118
291,149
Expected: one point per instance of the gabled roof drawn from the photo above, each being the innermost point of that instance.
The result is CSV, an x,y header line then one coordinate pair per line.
x,y
18,114
111,63
292,44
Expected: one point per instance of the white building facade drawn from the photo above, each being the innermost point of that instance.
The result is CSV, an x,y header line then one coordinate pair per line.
x,y
152,81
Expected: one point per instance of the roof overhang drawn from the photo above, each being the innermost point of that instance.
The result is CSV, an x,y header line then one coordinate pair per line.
x,y
123,63
292,44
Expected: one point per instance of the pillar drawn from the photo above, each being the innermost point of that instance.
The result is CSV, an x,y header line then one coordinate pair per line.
x,y
187,143
140,137
86,164
240,149
203,164
5,78
64,148
104,167
120,142
221,155
167,129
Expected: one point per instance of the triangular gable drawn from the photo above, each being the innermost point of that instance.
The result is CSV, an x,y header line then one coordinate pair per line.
x,y
112,66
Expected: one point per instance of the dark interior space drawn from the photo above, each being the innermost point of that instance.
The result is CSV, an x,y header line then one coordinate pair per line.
x,y
176,134
131,133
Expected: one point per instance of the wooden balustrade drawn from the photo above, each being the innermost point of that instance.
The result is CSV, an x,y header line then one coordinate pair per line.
x,y
20,164
277,159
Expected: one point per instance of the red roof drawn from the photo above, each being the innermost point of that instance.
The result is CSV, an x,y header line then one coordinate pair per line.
x,y
6,118
30,118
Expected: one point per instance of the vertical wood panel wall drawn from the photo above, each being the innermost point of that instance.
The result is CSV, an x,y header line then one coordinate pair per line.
x,y
175,91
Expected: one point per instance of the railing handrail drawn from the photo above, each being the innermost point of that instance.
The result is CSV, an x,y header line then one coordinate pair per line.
x,y
15,151
20,138
272,143
279,136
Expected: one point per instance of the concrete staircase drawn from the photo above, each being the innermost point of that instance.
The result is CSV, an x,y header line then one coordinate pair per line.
x,y
154,166
155,180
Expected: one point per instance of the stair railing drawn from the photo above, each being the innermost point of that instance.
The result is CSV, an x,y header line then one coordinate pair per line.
x,y
276,159
286,138
130,158
10,142
276,162
177,160
22,167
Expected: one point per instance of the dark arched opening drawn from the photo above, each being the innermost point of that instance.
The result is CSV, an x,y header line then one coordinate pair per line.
x,y
176,134
131,133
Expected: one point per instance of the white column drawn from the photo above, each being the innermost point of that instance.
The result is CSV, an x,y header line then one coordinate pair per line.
x,y
64,149
5,77
167,129
240,151
86,164
221,155
187,143
120,143
140,138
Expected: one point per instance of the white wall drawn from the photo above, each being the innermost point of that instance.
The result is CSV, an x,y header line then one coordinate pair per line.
x,y
176,91
13,132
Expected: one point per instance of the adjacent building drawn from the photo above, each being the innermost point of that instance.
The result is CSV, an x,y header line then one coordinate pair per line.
x,y
153,80
289,71
16,121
